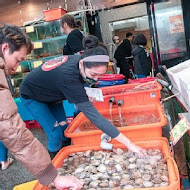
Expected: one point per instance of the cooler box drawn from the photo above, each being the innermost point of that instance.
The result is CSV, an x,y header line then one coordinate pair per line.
x,y
145,121
154,143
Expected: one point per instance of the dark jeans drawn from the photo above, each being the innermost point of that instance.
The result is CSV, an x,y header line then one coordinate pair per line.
x,y
47,115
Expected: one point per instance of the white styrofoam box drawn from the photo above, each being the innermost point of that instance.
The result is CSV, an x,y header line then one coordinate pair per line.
x,y
185,85
175,72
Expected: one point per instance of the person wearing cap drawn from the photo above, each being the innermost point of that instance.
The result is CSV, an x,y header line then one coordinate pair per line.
x,y
43,90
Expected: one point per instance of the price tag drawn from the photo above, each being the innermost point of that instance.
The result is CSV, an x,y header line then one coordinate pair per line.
x,y
38,45
37,63
179,130
29,29
19,69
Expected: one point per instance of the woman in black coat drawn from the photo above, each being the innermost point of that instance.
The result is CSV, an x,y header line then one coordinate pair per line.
x,y
142,66
70,27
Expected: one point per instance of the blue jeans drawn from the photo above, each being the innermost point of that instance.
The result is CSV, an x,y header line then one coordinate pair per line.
x,y
3,152
140,76
48,115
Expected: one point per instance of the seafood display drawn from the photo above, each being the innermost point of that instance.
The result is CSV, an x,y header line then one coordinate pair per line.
x,y
138,88
126,121
117,169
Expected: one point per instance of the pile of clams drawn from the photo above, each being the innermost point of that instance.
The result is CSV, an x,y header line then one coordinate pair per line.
x,y
118,169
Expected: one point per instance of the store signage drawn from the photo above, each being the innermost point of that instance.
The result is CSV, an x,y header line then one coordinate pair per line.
x,y
37,63
19,69
179,130
38,45
176,24
29,29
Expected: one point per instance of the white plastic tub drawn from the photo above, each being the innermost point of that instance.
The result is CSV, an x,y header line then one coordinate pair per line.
x,y
185,85
176,72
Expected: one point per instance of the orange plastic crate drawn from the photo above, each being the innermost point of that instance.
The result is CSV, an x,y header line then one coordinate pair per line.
x,y
134,131
154,143
53,14
131,94
141,80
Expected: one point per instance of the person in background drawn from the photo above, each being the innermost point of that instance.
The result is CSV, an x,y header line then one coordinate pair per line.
x,y
113,46
73,45
142,65
4,159
123,55
70,27
62,78
14,46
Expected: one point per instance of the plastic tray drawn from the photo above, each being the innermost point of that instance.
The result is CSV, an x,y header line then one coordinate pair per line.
x,y
131,94
133,131
154,143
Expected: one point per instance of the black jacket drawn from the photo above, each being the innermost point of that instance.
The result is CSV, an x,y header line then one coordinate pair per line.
x,y
73,43
124,49
142,65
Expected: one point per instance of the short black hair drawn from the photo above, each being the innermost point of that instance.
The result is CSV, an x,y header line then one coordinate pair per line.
x,y
140,39
15,37
129,34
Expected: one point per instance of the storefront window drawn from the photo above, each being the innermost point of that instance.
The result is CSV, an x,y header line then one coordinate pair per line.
x,y
170,29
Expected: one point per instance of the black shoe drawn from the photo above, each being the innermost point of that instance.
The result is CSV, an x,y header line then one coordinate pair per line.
x,y
52,154
66,143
